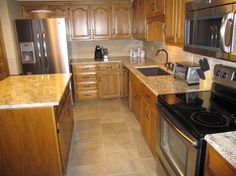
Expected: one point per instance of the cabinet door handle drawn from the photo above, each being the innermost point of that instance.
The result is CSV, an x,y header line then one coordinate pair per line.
x,y
86,86
148,97
87,95
89,31
114,31
85,68
67,112
86,77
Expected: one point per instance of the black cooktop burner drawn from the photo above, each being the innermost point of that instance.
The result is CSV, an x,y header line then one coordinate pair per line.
x,y
210,119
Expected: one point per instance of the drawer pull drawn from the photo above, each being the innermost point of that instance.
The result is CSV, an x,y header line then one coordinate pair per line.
x,y
87,95
148,97
85,68
86,86
109,67
86,77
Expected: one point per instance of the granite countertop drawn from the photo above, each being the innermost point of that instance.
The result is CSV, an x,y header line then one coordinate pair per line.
x,y
157,84
32,90
224,144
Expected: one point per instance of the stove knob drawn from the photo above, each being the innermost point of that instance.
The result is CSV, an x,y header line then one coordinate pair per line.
x,y
217,72
223,75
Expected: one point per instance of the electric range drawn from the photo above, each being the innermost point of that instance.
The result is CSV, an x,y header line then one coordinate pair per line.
x,y
185,118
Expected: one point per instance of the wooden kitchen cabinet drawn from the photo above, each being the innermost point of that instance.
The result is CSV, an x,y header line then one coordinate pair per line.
x,y
155,31
58,11
26,9
135,95
36,140
141,20
124,82
155,8
4,71
216,165
80,24
175,11
121,20
109,77
149,118
100,20
85,81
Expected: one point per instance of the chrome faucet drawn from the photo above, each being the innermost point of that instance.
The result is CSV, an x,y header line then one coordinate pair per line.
x,y
167,64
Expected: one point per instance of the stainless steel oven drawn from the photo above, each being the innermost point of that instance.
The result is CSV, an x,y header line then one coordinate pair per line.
x,y
179,153
211,30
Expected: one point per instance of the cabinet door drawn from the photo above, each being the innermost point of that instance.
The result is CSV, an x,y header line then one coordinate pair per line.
x,y
59,11
109,84
180,22
135,19
27,9
155,31
141,19
155,8
121,20
101,21
4,72
125,82
80,22
65,126
146,119
170,21
153,131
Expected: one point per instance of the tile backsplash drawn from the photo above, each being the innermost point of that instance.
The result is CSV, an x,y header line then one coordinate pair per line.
x,y
116,48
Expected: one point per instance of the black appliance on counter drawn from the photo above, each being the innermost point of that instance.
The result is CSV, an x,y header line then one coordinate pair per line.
x,y
185,118
98,54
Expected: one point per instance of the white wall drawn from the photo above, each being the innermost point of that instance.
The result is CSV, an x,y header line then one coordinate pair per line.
x,y
9,10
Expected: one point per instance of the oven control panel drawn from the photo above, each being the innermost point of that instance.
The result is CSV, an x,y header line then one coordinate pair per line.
x,y
224,74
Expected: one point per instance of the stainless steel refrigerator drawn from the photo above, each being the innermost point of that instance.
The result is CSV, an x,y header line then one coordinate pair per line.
x,y
43,45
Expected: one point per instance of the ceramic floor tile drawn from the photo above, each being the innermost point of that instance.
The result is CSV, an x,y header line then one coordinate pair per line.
x,y
86,154
87,116
119,142
150,166
130,119
86,108
91,124
115,116
114,128
88,137
123,162
87,170
131,174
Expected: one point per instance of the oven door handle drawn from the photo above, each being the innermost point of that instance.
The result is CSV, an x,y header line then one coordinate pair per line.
x,y
224,31
188,137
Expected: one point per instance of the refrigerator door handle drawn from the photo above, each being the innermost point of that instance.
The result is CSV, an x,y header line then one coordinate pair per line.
x,y
45,51
38,45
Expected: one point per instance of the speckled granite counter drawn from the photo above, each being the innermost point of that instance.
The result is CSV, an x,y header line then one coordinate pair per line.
x,y
32,90
157,84
224,144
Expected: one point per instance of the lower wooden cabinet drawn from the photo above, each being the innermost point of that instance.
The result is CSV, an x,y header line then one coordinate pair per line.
x,y
135,96
216,165
109,84
99,80
36,141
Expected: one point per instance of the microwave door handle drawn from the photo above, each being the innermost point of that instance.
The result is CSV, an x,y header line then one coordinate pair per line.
x,y
226,18
212,35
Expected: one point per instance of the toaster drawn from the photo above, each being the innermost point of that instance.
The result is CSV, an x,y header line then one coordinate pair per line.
x,y
187,71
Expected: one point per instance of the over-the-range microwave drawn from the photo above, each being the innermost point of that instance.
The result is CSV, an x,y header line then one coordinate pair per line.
x,y
210,28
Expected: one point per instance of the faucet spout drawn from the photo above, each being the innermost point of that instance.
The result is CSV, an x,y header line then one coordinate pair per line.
x,y
163,50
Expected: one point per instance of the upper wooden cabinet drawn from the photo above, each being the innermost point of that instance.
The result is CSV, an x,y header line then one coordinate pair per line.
x,y
148,18
101,22
80,24
121,20
175,10
89,21
155,8
4,71
58,11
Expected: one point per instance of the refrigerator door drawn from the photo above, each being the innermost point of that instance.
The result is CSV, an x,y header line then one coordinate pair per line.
x,y
55,51
30,44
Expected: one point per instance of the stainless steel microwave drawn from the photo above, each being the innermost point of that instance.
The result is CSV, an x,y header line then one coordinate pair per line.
x,y
210,28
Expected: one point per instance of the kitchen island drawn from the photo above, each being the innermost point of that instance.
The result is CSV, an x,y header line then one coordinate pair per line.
x,y
36,124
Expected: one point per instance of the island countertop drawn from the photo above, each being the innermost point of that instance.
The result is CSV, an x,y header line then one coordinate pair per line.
x,y
32,90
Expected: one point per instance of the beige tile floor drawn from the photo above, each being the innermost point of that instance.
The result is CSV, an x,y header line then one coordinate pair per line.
x,y
107,141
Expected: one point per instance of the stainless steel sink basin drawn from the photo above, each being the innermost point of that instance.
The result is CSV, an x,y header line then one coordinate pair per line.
x,y
152,71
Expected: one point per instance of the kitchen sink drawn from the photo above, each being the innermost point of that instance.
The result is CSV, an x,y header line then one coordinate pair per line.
x,y
152,71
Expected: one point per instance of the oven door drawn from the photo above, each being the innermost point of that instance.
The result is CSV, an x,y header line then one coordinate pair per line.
x,y
177,151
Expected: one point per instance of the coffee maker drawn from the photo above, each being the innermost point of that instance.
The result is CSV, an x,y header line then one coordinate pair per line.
x,y
98,54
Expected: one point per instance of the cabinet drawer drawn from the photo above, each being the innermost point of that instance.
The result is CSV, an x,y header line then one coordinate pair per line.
x,y
106,67
87,95
148,95
86,86
84,68
83,77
